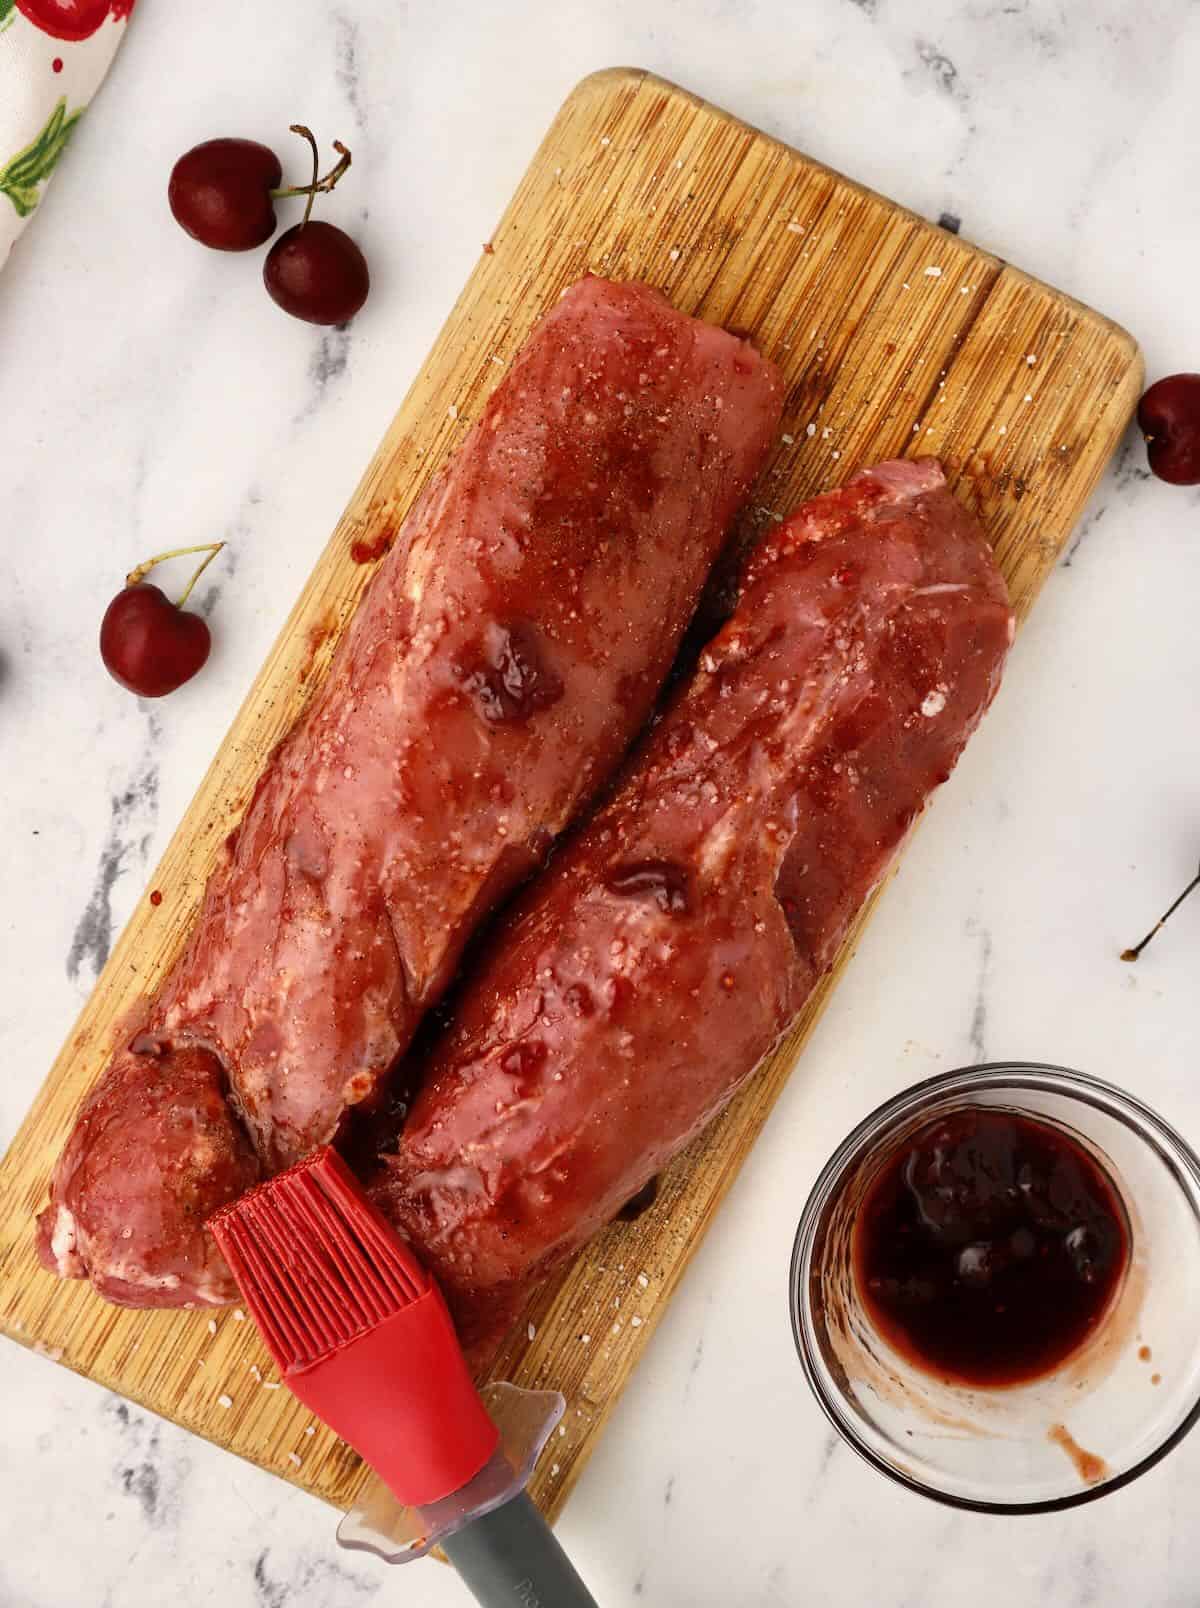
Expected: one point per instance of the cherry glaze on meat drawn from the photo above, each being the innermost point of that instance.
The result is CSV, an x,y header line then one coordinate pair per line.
x,y
508,648
644,975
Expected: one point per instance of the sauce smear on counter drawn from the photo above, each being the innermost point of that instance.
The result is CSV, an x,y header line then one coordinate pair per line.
x,y
990,1247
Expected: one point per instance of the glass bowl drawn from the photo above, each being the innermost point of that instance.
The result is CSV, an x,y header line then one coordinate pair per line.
x,y
1111,1410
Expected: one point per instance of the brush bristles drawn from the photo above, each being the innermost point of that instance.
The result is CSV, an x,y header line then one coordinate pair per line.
x,y
316,1262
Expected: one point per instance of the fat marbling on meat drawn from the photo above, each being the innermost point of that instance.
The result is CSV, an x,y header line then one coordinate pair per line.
x,y
506,653
646,974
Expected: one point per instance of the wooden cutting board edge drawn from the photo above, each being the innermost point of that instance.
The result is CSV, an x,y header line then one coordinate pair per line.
x,y
299,654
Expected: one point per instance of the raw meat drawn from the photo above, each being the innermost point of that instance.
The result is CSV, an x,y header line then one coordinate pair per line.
x,y
650,969
155,1151
509,648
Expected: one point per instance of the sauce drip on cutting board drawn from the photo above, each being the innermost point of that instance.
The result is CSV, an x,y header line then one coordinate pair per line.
x,y
990,1247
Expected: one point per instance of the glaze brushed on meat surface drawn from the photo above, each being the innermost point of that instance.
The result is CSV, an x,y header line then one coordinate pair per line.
x,y
154,1152
506,653
646,974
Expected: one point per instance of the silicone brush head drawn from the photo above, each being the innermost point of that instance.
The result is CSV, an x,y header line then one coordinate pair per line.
x,y
315,1260
357,1326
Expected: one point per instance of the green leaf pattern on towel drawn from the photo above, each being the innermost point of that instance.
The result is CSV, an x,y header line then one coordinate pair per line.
x,y
21,177
6,8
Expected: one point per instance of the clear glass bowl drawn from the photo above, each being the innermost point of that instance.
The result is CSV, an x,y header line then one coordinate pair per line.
x,y
1111,1410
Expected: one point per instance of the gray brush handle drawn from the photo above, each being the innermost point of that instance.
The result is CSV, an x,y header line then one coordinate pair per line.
x,y
510,1559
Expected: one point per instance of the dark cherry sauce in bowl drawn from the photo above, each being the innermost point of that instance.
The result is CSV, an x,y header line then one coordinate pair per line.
x,y
990,1247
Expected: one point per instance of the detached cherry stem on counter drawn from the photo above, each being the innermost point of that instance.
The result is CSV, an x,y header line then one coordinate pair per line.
x,y
1132,954
148,644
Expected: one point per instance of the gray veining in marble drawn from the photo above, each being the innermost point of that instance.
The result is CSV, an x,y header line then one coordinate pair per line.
x,y
151,395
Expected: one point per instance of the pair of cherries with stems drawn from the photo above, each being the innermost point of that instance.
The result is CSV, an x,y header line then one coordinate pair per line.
x,y
223,192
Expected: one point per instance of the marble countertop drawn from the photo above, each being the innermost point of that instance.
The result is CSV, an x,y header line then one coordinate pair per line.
x,y
150,395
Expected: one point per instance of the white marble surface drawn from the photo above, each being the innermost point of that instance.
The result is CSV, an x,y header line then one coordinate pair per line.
x,y
151,395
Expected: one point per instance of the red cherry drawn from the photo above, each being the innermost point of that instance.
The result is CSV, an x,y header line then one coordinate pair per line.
x,y
148,643
316,272
1169,418
67,19
221,193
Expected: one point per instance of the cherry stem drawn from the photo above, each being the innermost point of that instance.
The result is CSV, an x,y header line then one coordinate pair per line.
x,y
317,186
138,575
1132,954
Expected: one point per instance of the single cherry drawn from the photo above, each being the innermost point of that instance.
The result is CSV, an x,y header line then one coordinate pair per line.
x,y
1169,418
223,193
149,644
315,271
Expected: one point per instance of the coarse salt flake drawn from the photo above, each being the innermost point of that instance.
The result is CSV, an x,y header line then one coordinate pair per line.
x,y
795,228
238,1315
933,271
674,254
531,1331
934,703
635,1323
787,439
585,1339
294,1457
604,140
810,430
1031,358
212,1325
452,410
643,1281
224,1401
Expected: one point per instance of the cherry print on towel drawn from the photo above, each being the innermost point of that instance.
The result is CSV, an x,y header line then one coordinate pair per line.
x,y
72,19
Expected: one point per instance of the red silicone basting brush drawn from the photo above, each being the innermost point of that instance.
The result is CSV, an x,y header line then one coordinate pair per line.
x,y
362,1336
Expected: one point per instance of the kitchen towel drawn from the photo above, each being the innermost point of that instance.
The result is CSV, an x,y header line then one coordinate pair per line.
x,y
53,57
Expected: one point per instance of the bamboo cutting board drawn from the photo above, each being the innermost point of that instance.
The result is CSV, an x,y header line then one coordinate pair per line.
x,y
894,337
